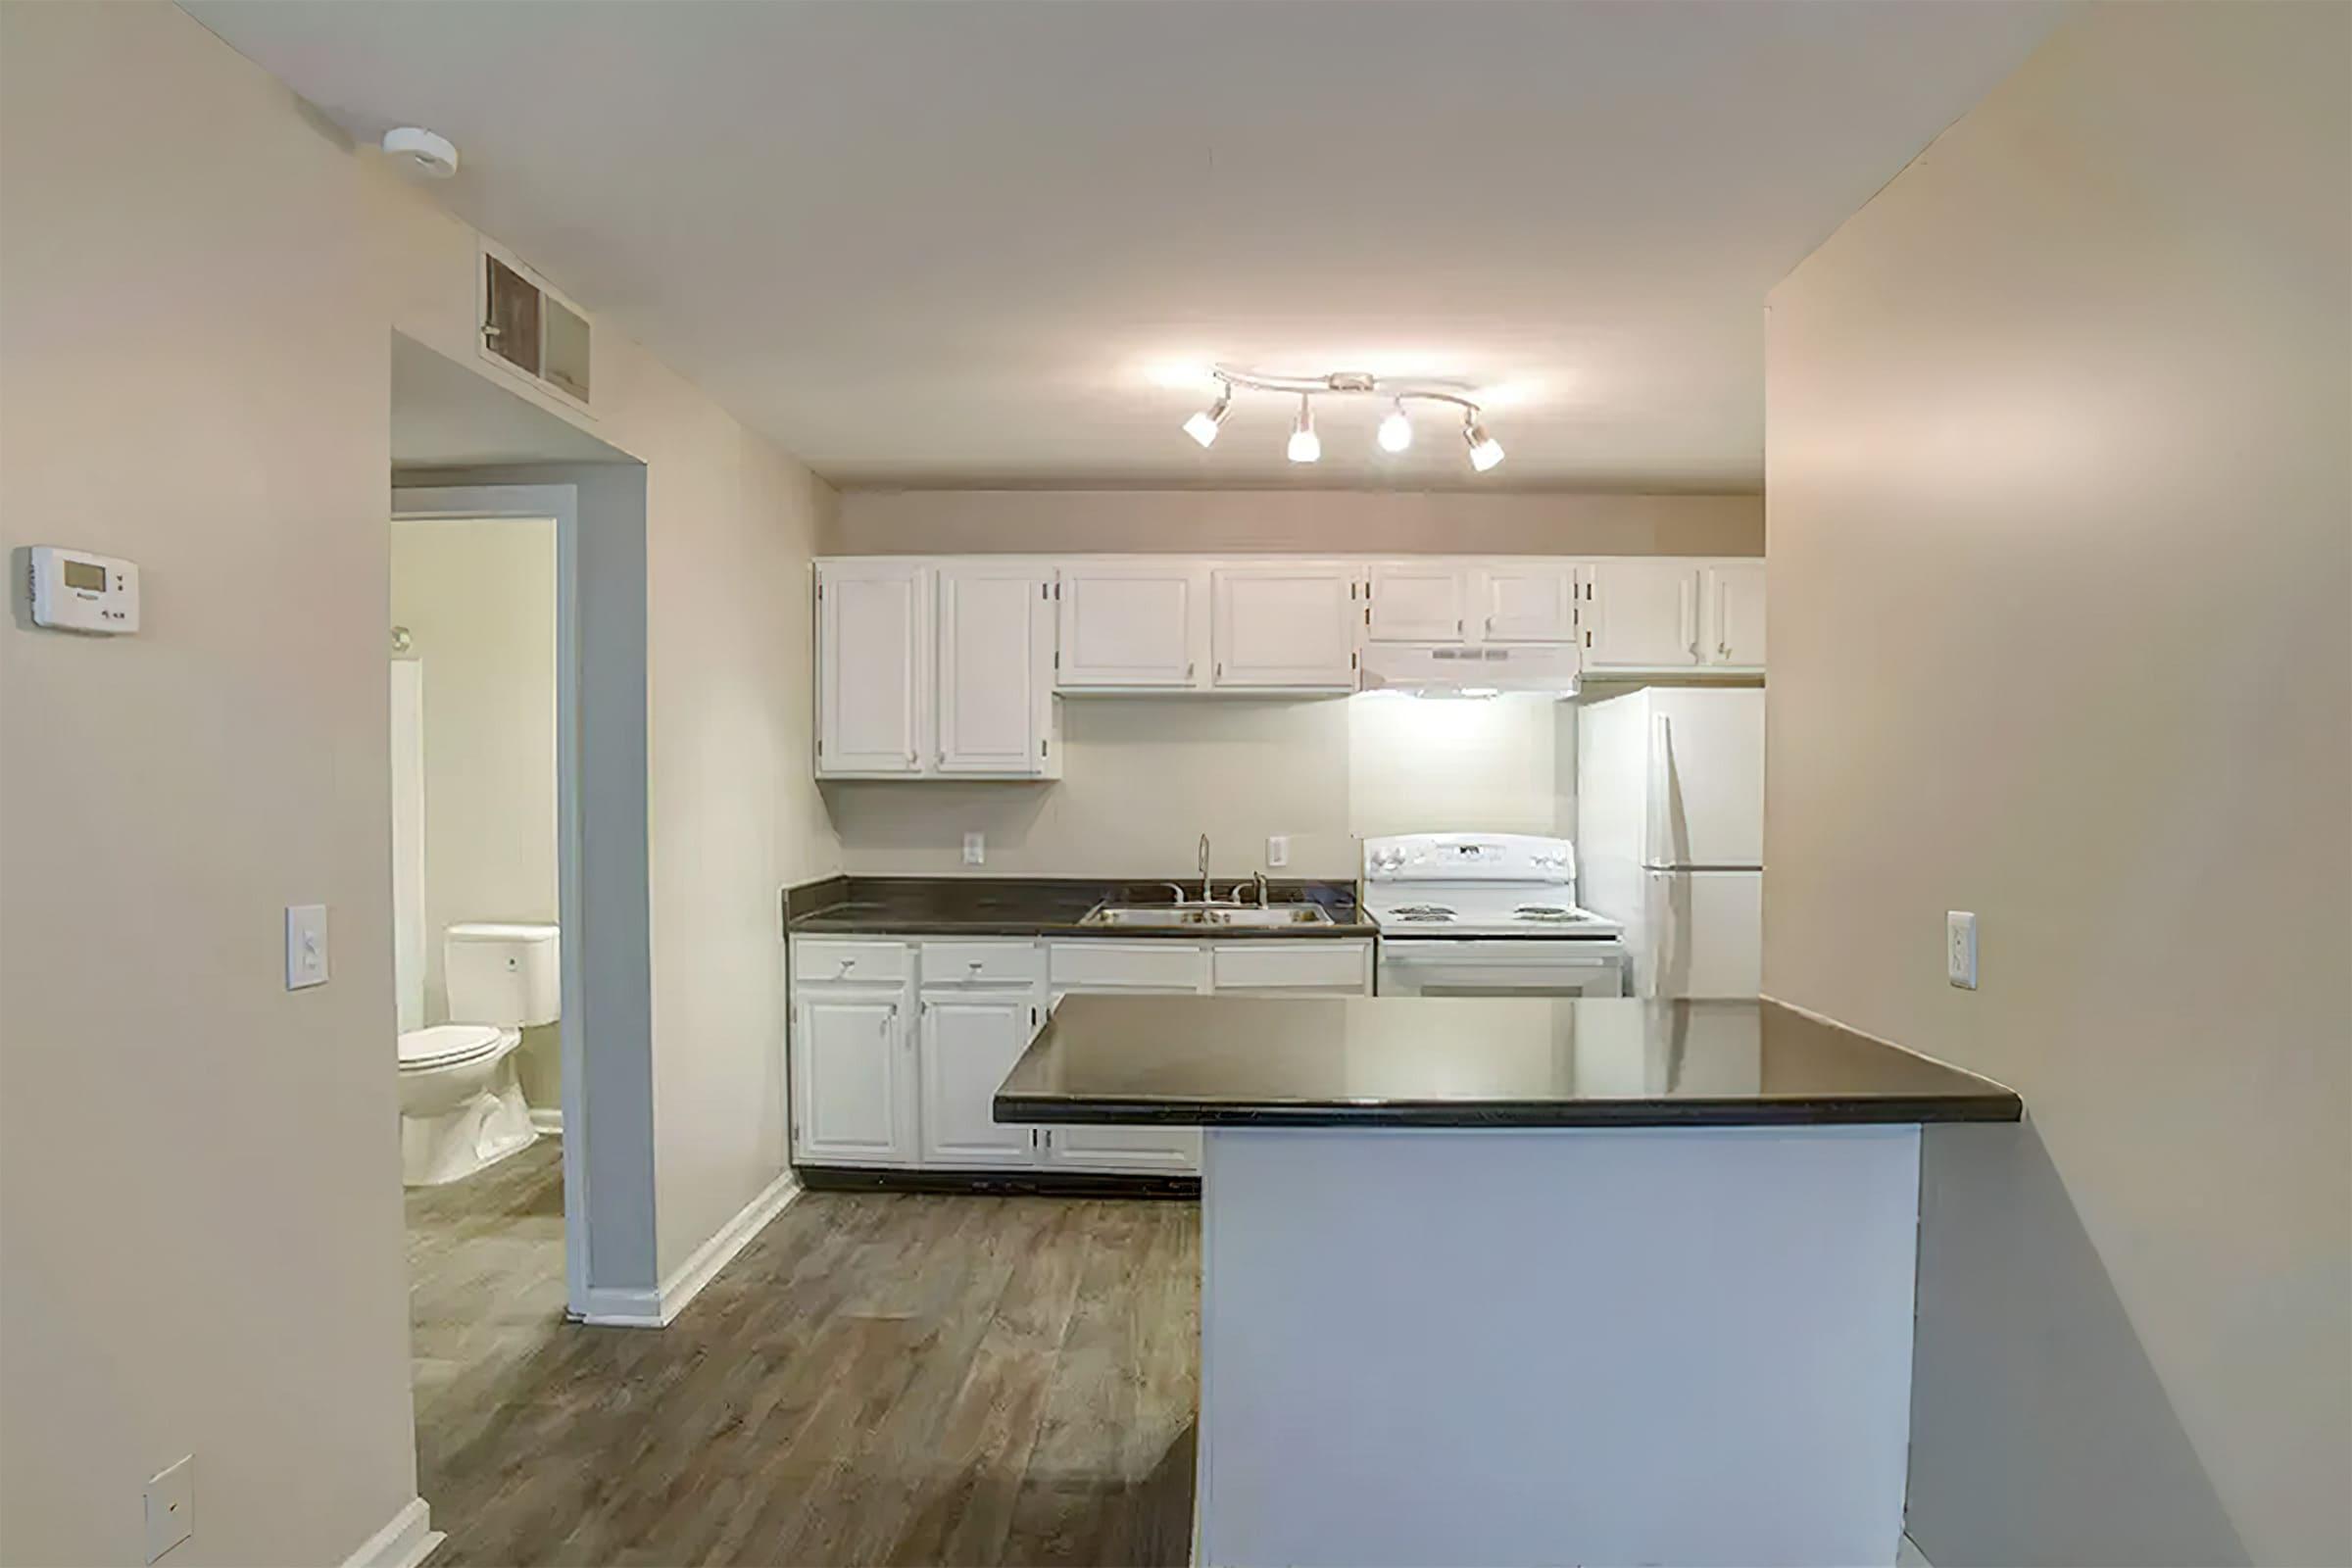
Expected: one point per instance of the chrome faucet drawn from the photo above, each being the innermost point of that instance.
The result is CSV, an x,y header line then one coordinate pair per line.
x,y
1259,877
1208,894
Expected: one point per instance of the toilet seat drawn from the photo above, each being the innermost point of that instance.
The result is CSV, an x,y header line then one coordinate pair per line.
x,y
447,1045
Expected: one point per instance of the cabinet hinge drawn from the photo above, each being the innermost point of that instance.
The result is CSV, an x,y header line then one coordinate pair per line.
x,y
1041,748
821,748
1588,639
1352,662
1057,659
1044,590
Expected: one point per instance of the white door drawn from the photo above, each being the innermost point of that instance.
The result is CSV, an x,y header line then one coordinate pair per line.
x,y
1290,625
1706,778
1419,602
1641,615
850,1079
1735,614
1533,604
995,669
1132,625
872,681
969,1043
1705,934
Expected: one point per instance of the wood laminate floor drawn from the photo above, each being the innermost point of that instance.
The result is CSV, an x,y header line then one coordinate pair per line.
x,y
877,1378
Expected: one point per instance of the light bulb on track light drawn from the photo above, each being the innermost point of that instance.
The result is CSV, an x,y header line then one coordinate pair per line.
x,y
1203,425
1485,450
1397,430
1305,446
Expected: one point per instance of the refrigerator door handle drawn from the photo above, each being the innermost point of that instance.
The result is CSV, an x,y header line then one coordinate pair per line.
x,y
1659,828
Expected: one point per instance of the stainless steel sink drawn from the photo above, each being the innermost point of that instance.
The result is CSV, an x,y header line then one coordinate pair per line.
x,y
1164,916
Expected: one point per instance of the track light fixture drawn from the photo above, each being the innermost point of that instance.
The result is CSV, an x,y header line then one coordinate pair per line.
x,y
1203,427
1305,446
1396,429
1485,450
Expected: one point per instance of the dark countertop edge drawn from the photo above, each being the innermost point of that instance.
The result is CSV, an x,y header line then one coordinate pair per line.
x,y
1792,1111
820,925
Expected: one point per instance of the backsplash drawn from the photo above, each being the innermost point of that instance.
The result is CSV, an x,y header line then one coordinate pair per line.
x,y
1145,777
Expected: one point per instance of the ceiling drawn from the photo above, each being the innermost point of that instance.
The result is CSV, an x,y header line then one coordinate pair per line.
x,y
992,242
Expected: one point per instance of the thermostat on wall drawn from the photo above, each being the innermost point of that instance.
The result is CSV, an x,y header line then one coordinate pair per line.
x,y
73,591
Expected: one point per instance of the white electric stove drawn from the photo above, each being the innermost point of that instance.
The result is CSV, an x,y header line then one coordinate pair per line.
x,y
1487,914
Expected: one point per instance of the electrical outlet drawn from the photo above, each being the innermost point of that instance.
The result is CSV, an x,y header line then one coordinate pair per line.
x,y
1960,948
975,849
1278,849
306,946
171,1507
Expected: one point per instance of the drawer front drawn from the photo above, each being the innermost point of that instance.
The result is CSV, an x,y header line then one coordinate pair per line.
x,y
820,961
1334,966
982,964
1146,966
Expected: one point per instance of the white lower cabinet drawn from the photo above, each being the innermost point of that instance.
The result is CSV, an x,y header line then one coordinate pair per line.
x,y
898,1046
853,1077
968,1044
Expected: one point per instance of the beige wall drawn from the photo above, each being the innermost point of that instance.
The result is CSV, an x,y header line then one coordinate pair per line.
x,y
199,1171
478,598
1144,777
2061,536
1344,521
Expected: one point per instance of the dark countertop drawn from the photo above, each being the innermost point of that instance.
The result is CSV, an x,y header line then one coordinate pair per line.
x,y
1447,1061
1022,906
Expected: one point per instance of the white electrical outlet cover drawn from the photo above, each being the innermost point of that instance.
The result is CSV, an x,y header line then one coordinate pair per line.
x,y
975,849
306,946
1960,948
1278,849
171,1507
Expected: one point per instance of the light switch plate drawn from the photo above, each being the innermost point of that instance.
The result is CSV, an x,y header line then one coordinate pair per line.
x,y
1960,948
1278,849
306,946
171,1507
975,849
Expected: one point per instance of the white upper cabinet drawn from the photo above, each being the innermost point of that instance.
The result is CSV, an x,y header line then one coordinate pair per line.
x,y
1290,625
1132,625
1419,600
995,670
1533,602
1643,615
873,688
1735,599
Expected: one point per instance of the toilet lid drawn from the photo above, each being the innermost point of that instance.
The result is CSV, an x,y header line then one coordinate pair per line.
x,y
445,1043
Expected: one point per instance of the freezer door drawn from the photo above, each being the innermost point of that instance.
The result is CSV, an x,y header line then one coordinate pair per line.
x,y
1704,934
1706,778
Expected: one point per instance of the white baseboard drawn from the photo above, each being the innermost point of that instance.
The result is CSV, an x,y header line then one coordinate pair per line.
x,y
1908,1556
548,1120
652,1309
405,1541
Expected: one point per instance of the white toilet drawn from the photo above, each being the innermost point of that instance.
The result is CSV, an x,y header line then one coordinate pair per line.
x,y
460,1105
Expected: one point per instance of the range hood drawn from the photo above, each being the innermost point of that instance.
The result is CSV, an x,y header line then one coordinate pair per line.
x,y
1445,669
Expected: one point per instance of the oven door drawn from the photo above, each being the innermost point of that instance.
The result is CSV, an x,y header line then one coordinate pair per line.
x,y
1499,967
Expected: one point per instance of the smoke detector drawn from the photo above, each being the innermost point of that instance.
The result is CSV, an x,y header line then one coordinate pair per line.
x,y
430,155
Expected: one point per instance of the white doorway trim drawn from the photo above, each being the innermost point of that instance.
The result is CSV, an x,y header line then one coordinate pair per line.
x,y
562,503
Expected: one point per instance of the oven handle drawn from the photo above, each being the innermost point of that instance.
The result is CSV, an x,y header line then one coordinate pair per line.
x,y
1548,955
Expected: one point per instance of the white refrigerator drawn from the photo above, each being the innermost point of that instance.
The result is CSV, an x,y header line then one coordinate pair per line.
x,y
1670,833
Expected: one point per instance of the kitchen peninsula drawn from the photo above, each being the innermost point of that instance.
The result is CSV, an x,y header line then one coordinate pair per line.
x,y
1512,1281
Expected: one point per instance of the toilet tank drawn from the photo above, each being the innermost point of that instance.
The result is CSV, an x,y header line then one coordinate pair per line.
x,y
503,974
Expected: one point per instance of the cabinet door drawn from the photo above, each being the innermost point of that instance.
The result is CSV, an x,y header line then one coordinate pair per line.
x,y
969,1043
850,1084
995,669
1641,615
1535,604
1155,1151
1735,613
872,680
1290,625
1418,602
1132,625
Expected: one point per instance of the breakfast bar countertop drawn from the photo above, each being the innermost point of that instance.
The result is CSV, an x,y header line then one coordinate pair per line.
x,y
1447,1061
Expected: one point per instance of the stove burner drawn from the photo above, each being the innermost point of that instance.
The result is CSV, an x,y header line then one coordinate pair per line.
x,y
1552,914
1425,913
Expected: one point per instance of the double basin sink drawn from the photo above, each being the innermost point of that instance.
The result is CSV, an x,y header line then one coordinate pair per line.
x,y
1213,915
